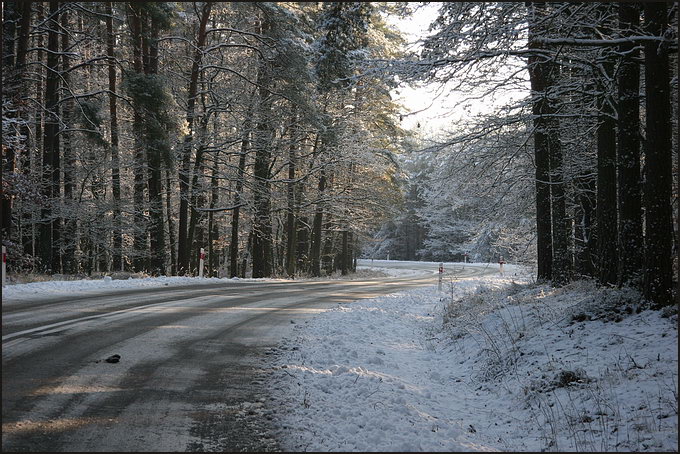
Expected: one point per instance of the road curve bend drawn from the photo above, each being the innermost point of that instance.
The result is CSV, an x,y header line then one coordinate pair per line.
x,y
192,362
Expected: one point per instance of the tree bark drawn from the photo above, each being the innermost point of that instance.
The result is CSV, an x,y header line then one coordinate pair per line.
x,y
154,165
195,189
658,266
70,222
628,153
539,77
262,223
50,226
583,228
317,223
291,222
115,162
236,212
183,247
213,227
14,61
171,224
606,205
139,222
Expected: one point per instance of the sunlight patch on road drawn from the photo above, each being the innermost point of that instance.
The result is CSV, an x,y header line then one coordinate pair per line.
x,y
51,426
69,389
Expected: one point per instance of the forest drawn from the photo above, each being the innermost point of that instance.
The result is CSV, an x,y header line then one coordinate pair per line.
x,y
136,134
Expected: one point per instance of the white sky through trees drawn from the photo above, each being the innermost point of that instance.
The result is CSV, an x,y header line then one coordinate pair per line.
x,y
432,106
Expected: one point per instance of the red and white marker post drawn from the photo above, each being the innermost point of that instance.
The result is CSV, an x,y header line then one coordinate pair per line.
x,y
441,274
501,262
201,263
465,256
4,264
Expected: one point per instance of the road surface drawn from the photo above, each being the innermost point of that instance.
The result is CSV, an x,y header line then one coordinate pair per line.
x,y
192,368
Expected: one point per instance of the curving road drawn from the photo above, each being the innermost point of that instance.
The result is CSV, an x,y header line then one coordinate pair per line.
x,y
192,367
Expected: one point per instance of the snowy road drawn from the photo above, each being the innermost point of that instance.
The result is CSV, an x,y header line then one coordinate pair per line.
x,y
192,358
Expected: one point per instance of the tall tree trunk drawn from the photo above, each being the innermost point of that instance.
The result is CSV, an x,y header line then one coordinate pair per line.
x,y
262,223
317,223
562,262
50,227
328,243
583,225
9,26
115,163
70,221
345,265
628,159
32,243
195,189
171,225
236,212
539,79
139,222
155,185
183,246
606,206
658,266
291,221
249,248
14,61
213,227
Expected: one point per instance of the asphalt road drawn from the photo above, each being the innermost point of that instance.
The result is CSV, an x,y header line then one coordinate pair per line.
x,y
192,368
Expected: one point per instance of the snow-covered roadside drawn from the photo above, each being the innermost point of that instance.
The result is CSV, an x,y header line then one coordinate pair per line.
x,y
514,367
82,286
394,272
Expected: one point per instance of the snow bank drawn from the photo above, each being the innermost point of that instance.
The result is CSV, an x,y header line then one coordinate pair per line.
x,y
74,287
488,364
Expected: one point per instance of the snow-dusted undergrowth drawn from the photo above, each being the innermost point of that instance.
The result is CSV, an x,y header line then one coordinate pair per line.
x,y
489,365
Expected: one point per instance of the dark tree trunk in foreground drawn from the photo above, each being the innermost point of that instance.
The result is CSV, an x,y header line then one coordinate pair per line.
x,y
628,158
607,238
583,225
562,263
538,74
658,266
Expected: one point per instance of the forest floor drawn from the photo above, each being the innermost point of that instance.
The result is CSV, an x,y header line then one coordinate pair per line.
x,y
490,363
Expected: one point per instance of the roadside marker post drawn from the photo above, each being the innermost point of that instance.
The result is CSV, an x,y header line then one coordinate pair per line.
x,y
465,257
501,262
441,274
200,263
4,264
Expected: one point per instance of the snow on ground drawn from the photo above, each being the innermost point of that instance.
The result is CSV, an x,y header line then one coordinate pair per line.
x,y
487,365
54,288
393,271
492,363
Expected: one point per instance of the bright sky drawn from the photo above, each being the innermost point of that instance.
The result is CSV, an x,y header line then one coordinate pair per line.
x,y
432,107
